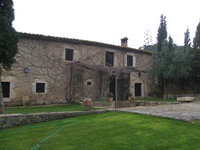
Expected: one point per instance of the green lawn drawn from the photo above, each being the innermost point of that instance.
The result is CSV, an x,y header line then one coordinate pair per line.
x,y
109,131
37,109
156,99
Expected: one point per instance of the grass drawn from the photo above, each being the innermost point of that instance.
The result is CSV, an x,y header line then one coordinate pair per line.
x,y
156,99
36,109
109,131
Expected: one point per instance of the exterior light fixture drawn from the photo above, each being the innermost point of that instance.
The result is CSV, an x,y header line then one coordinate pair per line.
x,y
26,70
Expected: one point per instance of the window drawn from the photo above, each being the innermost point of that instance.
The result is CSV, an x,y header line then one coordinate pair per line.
x,y
109,58
129,60
139,74
40,87
89,83
6,89
69,54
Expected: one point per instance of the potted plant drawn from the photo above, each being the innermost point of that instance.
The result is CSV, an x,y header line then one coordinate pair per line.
x,y
129,96
87,103
110,96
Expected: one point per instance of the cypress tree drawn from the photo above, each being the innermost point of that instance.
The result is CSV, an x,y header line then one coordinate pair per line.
x,y
196,41
162,33
195,73
171,43
161,44
8,40
187,43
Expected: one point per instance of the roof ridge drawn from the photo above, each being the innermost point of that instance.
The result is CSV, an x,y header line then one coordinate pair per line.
x,y
79,41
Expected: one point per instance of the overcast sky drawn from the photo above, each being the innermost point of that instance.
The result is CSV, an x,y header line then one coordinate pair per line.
x,y
107,20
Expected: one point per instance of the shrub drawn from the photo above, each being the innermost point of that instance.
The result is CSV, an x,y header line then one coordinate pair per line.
x,y
110,94
129,94
158,94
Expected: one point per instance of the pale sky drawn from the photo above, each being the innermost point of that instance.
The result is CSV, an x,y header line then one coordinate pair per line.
x,y
107,21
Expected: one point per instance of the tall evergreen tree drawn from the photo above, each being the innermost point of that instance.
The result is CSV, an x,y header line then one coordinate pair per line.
x,y
171,44
162,33
196,41
195,73
161,44
169,64
8,40
187,42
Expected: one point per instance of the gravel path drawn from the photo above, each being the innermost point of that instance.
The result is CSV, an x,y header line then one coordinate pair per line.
x,y
183,111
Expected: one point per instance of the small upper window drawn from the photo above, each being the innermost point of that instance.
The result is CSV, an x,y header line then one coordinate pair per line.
x,y
69,53
89,83
109,58
40,87
129,60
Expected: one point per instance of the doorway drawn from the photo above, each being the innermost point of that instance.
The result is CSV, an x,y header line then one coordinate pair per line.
x,y
138,89
112,87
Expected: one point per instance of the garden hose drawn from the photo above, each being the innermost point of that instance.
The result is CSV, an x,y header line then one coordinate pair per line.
x,y
69,124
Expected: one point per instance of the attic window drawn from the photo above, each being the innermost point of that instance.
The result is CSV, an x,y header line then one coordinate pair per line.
x,y
69,53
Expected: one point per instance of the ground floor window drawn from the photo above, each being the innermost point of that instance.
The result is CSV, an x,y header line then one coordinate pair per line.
x,y
40,87
6,89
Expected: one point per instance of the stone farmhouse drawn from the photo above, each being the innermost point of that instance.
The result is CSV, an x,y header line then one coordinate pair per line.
x,y
58,70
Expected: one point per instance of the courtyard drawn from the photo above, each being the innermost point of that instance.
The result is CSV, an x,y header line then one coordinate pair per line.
x,y
168,126
181,111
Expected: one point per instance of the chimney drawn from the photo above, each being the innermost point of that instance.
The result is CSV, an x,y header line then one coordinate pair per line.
x,y
124,42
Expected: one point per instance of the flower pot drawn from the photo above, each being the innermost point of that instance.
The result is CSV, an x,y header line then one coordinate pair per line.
x,y
87,103
129,98
110,99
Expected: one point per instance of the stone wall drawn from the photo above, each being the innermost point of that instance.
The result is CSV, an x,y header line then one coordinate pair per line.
x,y
132,103
9,120
135,103
196,96
147,86
104,104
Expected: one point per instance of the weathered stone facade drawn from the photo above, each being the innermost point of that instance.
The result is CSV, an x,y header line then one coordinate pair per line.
x,y
59,70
